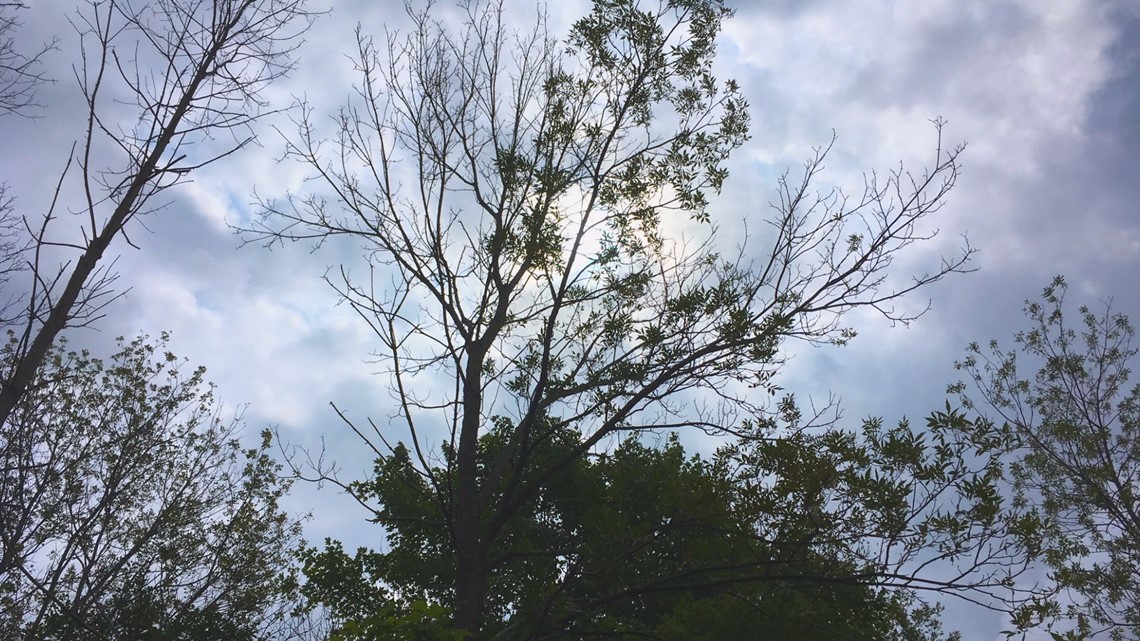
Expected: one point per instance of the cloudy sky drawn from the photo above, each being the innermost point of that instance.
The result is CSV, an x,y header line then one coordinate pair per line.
x,y
1045,93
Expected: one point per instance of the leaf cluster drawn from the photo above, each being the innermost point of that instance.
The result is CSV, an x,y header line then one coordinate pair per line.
x,y
129,509
1073,428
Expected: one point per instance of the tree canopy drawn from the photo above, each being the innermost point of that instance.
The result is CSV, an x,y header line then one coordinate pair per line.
x,y
807,532
1073,428
129,510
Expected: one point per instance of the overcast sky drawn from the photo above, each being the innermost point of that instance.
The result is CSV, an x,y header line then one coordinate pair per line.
x,y
1045,93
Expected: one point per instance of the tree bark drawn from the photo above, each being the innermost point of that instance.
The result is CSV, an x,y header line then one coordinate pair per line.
x,y
471,562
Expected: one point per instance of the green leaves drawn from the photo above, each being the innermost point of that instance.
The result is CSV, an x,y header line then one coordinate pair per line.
x,y
128,508
1072,430
796,534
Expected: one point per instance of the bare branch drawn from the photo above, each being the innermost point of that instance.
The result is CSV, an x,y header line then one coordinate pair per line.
x,y
194,71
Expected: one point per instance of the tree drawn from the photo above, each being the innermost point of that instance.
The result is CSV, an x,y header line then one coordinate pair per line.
x,y
517,201
128,510
1074,430
159,79
818,533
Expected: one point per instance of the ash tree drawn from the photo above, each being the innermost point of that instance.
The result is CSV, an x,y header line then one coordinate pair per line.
x,y
517,198
1061,398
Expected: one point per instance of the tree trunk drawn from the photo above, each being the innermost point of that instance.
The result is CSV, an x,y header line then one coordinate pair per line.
x,y
470,587
471,563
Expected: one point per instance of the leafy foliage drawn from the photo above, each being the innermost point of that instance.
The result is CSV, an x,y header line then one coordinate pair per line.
x,y
128,509
1074,426
819,533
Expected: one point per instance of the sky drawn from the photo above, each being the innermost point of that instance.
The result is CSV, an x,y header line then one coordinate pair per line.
x,y
1046,95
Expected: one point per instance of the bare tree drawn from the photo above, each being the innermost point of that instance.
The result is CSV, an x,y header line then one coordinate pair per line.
x,y
188,71
518,202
